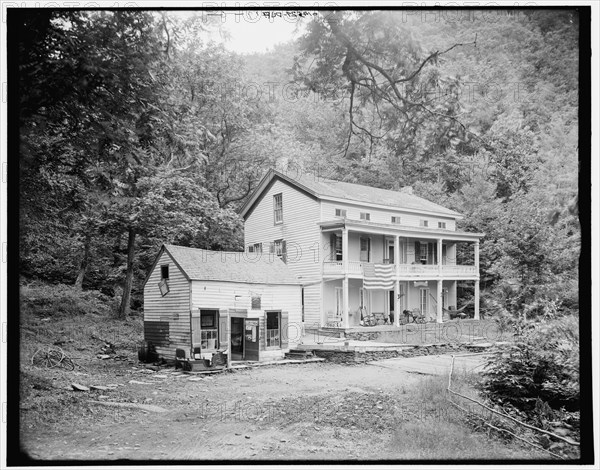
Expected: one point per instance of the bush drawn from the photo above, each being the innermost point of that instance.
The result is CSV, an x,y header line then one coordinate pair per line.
x,y
542,365
61,300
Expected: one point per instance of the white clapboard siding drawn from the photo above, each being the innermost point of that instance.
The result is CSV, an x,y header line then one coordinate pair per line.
x,y
173,307
299,228
225,295
383,216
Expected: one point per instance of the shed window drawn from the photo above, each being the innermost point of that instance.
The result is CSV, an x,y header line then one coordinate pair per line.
x,y
273,329
164,272
256,302
365,216
340,212
395,219
278,208
424,223
209,331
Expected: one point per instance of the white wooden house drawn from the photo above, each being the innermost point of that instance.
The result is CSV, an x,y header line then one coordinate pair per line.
x,y
192,297
356,248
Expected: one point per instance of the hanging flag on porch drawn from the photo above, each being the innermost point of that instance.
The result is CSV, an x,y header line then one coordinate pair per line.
x,y
378,276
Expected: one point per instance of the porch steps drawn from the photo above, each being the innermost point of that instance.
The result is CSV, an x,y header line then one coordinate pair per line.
x,y
299,354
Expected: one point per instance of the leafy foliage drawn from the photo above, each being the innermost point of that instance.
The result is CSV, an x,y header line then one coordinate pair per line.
x,y
542,365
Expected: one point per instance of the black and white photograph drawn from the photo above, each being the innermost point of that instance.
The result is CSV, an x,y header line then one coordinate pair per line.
x,y
290,234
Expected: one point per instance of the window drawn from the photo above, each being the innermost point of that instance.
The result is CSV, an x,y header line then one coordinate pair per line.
x,y
335,242
365,249
441,224
363,299
339,300
273,323
340,212
255,302
423,253
209,331
395,219
424,223
278,208
164,272
424,301
255,248
278,247
365,216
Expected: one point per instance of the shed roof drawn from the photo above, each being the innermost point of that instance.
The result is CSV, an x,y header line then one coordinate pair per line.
x,y
324,188
234,266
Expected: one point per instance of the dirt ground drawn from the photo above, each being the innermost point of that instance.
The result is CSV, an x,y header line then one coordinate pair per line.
x,y
388,409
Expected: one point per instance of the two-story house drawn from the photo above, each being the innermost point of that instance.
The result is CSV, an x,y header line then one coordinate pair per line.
x,y
359,249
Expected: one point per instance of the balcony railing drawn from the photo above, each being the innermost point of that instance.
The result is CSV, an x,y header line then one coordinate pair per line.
x,y
424,270
337,267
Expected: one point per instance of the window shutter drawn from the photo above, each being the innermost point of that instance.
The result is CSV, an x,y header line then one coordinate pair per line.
x,y
284,251
272,247
284,330
417,251
222,318
262,329
430,253
196,336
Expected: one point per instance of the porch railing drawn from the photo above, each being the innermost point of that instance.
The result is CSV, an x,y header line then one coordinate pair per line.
x,y
356,267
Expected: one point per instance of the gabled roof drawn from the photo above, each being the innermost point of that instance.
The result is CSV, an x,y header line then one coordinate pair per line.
x,y
234,266
323,188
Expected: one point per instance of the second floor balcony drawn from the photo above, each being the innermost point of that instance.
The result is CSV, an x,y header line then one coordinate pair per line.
x,y
355,268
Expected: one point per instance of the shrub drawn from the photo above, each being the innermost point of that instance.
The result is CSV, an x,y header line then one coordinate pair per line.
x,y
542,365
61,300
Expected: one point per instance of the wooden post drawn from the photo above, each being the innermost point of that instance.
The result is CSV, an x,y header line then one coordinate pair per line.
x,y
440,295
345,255
346,320
229,341
476,299
397,291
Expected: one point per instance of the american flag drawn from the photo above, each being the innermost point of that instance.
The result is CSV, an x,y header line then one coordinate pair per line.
x,y
378,276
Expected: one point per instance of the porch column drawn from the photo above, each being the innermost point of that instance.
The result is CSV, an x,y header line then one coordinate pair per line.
x,y
438,304
345,254
476,299
397,311
439,256
346,319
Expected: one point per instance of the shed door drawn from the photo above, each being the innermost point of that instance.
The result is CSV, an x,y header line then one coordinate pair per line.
x,y
251,339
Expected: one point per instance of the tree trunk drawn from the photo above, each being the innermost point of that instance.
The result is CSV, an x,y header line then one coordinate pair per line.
x,y
84,262
124,308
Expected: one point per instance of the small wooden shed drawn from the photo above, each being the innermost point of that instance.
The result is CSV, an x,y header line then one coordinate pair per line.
x,y
247,304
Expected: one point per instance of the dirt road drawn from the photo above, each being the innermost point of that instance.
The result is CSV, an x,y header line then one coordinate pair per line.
x,y
319,411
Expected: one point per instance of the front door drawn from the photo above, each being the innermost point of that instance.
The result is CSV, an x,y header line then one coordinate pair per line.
x,y
251,340
237,339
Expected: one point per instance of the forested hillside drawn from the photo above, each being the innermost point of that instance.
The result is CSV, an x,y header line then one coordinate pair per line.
x,y
135,130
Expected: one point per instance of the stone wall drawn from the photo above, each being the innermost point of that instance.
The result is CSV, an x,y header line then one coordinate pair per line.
x,y
357,356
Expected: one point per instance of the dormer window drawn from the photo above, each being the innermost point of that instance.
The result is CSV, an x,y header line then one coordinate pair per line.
x,y
340,213
365,216
396,219
278,208
424,223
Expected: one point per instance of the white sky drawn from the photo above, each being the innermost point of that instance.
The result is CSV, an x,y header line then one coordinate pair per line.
x,y
252,32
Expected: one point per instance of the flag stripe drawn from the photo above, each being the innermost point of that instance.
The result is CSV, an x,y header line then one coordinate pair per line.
x,y
378,276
